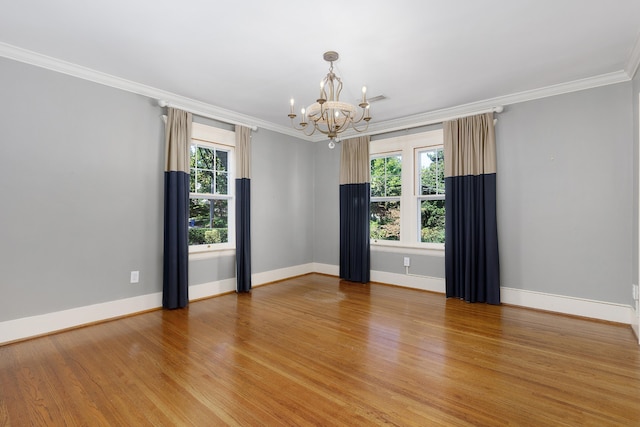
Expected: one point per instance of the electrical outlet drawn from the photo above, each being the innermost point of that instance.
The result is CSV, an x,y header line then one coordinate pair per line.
x,y
407,261
135,276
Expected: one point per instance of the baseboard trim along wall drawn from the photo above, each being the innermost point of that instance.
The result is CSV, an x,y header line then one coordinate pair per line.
x,y
33,326
635,323
27,327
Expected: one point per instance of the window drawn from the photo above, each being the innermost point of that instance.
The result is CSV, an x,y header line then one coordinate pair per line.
x,y
407,190
386,189
431,194
211,202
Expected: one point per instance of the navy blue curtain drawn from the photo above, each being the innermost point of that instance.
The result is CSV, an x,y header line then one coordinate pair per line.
x,y
175,286
355,258
355,253
243,209
472,266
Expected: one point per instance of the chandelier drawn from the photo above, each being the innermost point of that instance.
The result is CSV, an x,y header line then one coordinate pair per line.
x,y
329,115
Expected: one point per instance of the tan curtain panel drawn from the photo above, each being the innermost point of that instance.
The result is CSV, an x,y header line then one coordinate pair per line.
x,y
354,161
470,146
243,152
177,140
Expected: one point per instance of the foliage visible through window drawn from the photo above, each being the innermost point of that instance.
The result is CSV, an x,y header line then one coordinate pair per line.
x,y
209,195
386,189
431,195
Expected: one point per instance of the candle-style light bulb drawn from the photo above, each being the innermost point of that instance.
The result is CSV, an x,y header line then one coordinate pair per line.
x,y
364,94
291,105
303,111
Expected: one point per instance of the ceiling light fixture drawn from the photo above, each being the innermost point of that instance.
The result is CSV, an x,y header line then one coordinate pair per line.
x,y
329,115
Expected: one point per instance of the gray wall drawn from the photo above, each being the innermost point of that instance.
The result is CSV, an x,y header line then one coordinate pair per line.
x,y
565,174
282,184
81,185
326,225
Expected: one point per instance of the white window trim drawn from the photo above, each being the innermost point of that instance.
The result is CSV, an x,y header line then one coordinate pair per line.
x,y
408,146
213,137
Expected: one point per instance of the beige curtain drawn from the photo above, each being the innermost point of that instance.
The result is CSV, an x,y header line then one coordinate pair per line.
x,y
470,146
354,161
177,140
243,152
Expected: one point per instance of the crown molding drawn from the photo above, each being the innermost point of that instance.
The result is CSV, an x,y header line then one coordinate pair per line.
x,y
439,116
423,119
633,61
64,67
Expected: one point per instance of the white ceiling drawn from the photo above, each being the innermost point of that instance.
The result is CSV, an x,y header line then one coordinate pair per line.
x,y
251,56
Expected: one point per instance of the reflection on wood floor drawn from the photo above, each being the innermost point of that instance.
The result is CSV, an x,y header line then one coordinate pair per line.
x,y
315,350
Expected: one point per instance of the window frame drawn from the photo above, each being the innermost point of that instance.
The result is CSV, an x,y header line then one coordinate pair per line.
x,y
408,146
220,139
386,198
418,189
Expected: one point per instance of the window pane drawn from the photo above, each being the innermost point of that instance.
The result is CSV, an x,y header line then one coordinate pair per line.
x,y
192,181
377,186
205,158
199,213
193,156
221,183
385,220
204,181
394,176
431,171
386,176
432,221
208,221
222,160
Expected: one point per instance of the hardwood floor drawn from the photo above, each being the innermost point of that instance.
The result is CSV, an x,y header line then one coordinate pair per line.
x,y
317,351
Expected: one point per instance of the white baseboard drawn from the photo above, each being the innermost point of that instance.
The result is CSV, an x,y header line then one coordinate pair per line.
x,y
26,327
330,269
258,279
635,322
206,290
612,312
567,305
425,283
18,329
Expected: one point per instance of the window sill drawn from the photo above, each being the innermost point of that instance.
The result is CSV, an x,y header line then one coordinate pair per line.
x,y
433,249
210,251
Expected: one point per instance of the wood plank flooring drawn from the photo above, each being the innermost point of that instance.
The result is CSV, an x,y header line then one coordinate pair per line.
x,y
315,350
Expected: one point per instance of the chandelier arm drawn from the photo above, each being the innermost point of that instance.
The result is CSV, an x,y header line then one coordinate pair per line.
x,y
362,116
322,131
303,128
354,127
339,90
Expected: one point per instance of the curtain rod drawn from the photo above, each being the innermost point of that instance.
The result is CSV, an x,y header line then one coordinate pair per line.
x,y
496,109
163,103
